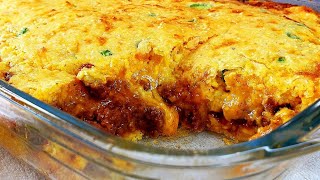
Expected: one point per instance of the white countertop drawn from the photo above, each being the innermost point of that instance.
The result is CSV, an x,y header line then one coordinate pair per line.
x,y
307,167
12,168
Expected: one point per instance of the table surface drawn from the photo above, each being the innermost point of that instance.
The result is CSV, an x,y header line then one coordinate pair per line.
x,y
307,167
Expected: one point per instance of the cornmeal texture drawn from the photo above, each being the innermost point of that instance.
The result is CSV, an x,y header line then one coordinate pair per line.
x,y
147,68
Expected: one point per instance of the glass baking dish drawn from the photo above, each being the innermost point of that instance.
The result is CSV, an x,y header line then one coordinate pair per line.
x,y
60,146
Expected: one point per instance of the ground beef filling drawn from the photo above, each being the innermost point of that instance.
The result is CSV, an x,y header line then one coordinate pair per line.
x,y
191,106
195,115
113,108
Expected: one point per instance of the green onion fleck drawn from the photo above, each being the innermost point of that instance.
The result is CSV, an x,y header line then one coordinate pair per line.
x,y
201,6
281,59
192,20
152,14
301,24
292,36
223,74
106,53
137,43
23,31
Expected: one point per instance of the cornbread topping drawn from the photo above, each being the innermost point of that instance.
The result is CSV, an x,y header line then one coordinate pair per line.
x,y
146,68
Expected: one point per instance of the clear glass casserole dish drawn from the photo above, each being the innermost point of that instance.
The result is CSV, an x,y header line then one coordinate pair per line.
x,y
60,146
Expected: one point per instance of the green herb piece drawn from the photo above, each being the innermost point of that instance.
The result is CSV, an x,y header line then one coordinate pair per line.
x,y
292,36
263,10
106,53
223,75
281,59
152,14
301,24
201,6
137,43
192,20
23,31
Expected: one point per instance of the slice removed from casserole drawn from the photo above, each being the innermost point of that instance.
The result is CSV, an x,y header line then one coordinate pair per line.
x,y
146,68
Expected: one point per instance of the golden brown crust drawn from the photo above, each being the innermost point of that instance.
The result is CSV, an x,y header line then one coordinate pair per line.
x,y
269,5
279,6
